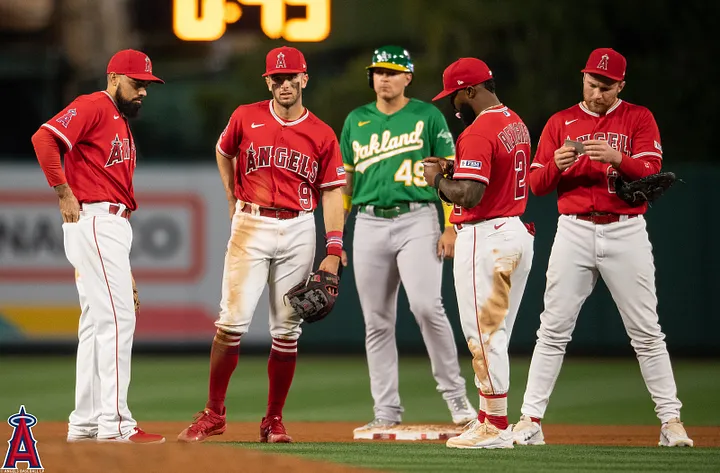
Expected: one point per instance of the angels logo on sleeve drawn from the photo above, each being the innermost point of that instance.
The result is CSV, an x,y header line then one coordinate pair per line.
x,y
65,119
22,445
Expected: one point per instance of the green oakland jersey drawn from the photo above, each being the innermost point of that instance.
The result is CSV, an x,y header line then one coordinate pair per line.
x,y
385,152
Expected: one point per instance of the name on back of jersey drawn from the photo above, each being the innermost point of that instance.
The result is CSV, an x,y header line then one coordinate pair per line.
x,y
282,158
514,134
386,146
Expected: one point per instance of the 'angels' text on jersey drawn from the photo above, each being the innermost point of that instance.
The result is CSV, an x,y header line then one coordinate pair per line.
x,y
617,141
285,158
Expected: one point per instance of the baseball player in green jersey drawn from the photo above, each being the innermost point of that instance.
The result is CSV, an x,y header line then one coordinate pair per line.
x,y
397,235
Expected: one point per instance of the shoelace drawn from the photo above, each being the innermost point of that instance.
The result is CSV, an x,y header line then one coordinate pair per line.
x,y
459,404
275,426
201,420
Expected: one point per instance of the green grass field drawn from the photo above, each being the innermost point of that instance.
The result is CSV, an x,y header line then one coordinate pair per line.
x,y
607,391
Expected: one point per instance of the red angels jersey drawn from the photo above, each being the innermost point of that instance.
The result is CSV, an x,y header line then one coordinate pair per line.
x,y
589,186
495,150
281,164
100,155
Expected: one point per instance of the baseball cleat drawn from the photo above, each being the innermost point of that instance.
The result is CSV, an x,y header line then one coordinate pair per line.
x,y
672,434
136,435
378,424
205,423
527,432
482,435
272,430
461,410
75,438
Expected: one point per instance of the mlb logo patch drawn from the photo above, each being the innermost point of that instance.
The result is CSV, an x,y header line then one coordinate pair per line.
x,y
657,146
466,163
340,170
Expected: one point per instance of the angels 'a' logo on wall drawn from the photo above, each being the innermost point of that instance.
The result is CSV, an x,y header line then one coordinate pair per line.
x,y
148,65
67,116
603,64
280,61
22,445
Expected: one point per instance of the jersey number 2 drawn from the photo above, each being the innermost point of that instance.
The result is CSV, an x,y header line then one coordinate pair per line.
x,y
520,174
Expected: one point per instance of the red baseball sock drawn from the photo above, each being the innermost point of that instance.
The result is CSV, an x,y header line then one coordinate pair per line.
x,y
535,419
281,369
223,360
497,410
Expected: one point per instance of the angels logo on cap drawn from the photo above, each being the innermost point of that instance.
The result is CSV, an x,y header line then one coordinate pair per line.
x,y
280,61
603,64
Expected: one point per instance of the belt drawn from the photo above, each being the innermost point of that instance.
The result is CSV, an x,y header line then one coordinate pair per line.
x,y
601,218
115,210
280,214
390,212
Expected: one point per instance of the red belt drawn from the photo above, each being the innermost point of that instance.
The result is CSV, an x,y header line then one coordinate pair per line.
x,y
281,214
601,218
114,209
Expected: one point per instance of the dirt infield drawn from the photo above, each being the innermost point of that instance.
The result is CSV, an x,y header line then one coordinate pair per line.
x,y
59,457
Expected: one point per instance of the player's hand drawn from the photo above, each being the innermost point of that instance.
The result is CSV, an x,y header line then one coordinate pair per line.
x,y
231,207
69,207
430,170
444,164
343,258
600,150
564,157
331,264
446,243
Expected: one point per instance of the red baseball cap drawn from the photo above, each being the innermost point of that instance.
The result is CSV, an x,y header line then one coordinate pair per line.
x,y
134,64
465,72
606,62
284,60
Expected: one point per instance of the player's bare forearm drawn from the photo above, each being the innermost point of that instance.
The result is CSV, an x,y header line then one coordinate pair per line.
x,y
463,192
227,174
347,192
333,215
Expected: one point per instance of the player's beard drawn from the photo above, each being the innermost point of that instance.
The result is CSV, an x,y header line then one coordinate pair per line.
x,y
289,101
466,114
127,107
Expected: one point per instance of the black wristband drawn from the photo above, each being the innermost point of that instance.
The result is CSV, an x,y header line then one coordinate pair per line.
x,y
436,183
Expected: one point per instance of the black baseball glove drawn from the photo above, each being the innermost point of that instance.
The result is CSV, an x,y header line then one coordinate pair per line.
x,y
644,190
314,298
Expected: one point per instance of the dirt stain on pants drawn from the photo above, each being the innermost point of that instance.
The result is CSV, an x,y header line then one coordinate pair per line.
x,y
490,316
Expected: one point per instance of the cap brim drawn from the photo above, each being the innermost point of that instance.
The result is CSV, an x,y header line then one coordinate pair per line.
x,y
388,65
603,73
146,76
284,71
443,94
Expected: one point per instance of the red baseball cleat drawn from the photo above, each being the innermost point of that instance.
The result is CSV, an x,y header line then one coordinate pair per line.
x,y
272,430
205,423
136,435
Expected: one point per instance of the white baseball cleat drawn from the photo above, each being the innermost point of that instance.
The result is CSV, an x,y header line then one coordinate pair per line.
x,y
527,432
377,424
76,438
482,435
672,434
461,410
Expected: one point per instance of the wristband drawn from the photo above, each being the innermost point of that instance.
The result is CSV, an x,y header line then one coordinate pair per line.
x,y
436,183
334,243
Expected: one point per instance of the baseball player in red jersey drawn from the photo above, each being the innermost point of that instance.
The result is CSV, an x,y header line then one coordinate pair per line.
x,y
599,235
277,161
494,249
96,199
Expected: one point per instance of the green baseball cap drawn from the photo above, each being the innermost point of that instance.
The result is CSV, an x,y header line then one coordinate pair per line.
x,y
394,58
